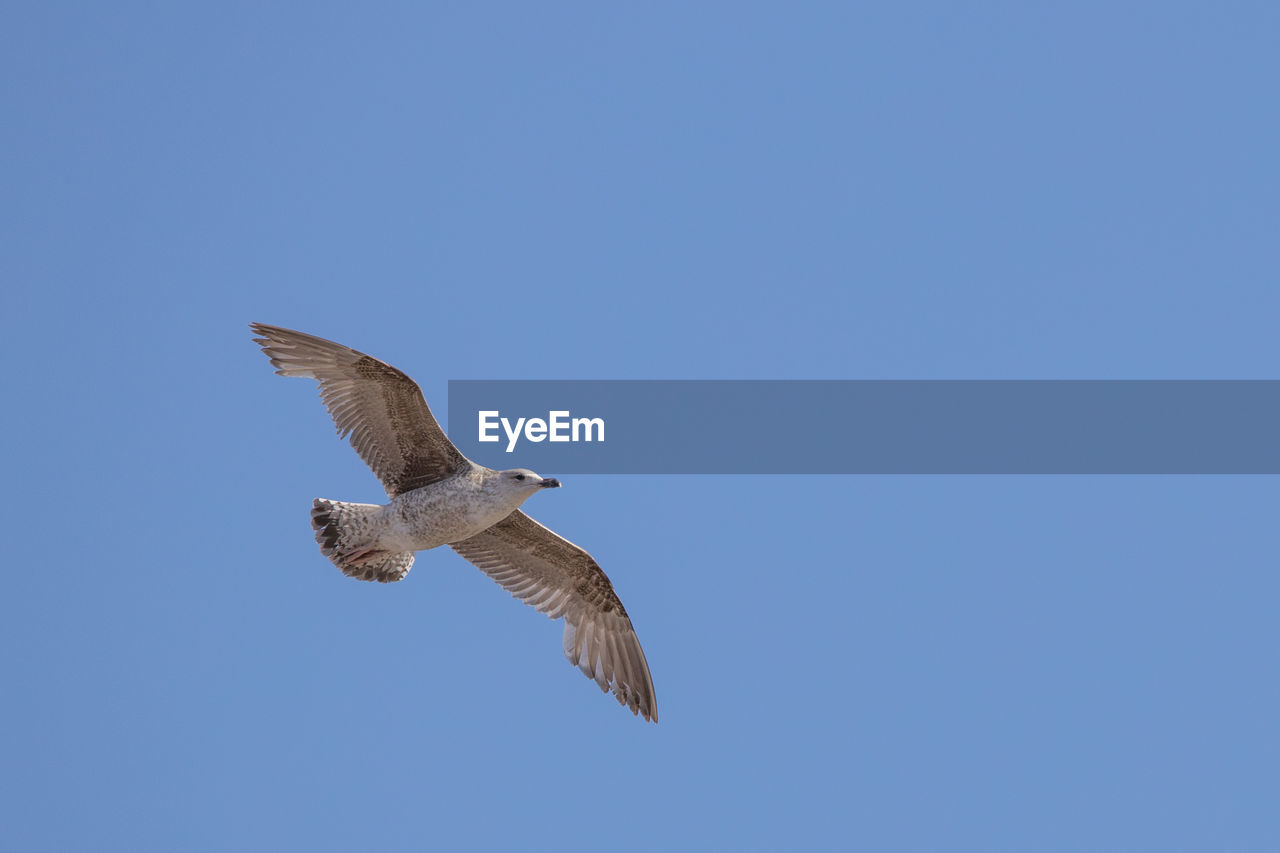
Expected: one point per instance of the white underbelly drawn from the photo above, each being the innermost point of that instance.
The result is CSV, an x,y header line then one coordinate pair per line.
x,y
428,518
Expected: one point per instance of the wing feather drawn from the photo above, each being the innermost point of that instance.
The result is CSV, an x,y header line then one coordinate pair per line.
x,y
380,408
560,579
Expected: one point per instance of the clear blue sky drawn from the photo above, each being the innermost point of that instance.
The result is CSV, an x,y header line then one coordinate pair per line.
x,y
736,190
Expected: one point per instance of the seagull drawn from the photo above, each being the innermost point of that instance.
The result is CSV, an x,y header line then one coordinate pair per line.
x,y
440,497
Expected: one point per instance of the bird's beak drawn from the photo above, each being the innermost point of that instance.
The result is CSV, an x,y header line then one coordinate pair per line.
x,y
550,483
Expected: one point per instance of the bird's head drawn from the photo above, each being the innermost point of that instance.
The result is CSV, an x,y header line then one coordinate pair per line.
x,y
524,480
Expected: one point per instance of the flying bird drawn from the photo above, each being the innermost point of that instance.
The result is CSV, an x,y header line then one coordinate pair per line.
x,y
440,497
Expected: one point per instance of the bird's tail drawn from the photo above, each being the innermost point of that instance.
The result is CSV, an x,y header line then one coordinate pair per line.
x,y
342,531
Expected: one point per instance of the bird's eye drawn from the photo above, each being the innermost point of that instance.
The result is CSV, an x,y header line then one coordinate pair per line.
x,y
519,476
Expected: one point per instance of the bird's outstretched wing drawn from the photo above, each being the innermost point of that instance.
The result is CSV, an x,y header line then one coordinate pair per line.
x,y
557,577
381,408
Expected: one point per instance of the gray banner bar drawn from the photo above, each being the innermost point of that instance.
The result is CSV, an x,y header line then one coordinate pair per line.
x,y
870,427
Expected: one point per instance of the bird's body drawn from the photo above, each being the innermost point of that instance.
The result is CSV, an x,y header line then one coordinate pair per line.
x,y
453,509
448,511
439,497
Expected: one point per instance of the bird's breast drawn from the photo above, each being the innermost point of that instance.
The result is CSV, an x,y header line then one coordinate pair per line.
x,y
444,512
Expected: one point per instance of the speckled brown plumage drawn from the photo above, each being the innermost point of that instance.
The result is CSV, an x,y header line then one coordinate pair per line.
x,y
549,572
380,408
